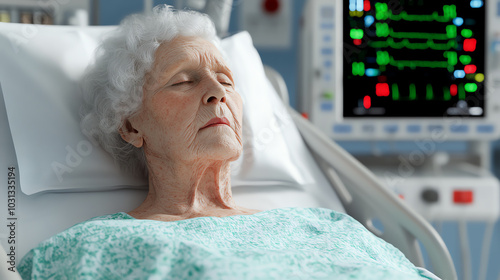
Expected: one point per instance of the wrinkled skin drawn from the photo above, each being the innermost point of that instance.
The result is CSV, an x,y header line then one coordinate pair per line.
x,y
189,173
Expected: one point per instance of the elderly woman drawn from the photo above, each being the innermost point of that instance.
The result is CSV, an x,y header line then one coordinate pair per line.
x,y
162,101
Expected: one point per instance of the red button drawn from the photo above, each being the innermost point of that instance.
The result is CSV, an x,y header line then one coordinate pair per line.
x,y
463,196
271,6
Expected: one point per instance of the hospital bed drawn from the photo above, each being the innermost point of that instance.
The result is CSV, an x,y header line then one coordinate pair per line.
x,y
60,178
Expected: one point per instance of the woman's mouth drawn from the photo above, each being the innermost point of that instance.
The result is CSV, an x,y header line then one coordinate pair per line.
x,y
216,122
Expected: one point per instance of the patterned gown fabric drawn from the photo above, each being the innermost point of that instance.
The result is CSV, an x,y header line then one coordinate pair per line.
x,y
287,243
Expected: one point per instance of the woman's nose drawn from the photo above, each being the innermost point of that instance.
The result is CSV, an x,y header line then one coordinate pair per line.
x,y
215,93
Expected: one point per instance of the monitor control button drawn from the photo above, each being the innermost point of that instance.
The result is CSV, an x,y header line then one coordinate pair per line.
x,y
430,195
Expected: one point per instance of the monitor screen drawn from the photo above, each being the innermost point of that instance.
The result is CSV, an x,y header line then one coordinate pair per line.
x,y
413,58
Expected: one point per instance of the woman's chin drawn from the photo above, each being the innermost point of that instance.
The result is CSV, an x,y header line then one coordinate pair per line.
x,y
223,144
222,150
223,153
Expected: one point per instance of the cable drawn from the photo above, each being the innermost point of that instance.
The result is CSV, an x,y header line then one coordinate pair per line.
x,y
485,253
464,247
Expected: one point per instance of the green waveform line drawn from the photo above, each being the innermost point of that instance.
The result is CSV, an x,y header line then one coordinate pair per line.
x,y
405,43
383,12
395,92
405,16
413,92
446,93
417,63
418,35
429,92
461,91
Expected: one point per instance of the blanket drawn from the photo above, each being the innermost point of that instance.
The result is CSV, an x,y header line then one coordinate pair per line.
x,y
286,243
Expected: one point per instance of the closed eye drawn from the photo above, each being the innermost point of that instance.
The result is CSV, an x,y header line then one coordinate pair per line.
x,y
181,83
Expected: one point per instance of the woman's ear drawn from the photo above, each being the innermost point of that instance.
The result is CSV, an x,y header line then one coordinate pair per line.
x,y
130,134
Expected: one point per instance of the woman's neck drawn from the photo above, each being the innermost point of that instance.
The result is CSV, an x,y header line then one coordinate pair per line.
x,y
187,189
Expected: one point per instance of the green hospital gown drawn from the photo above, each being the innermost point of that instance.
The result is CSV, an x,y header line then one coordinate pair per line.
x,y
287,243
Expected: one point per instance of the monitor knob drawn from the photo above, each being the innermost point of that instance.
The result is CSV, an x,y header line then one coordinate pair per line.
x,y
430,195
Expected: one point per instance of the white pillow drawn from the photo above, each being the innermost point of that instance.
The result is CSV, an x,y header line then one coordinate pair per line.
x,y
39,74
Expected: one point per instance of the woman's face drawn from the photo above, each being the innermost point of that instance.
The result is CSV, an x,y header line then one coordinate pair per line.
x,y
190,108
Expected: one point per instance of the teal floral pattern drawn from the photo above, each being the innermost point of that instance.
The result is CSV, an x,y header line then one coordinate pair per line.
x,y
287,243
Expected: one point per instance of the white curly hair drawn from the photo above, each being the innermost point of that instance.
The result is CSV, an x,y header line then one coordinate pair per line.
x,y
113,84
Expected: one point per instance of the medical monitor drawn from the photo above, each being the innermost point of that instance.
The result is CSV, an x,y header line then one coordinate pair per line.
x,y
414,60
401,69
